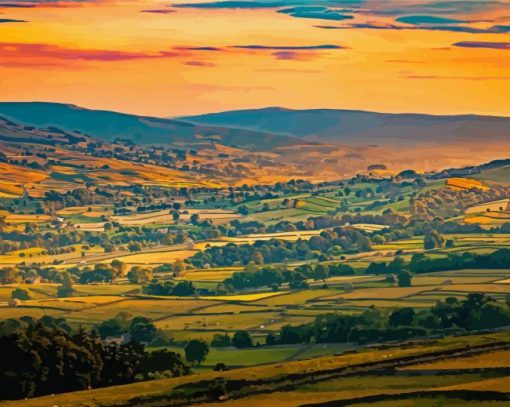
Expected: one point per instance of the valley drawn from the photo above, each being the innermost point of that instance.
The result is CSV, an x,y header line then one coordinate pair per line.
x,y
191,244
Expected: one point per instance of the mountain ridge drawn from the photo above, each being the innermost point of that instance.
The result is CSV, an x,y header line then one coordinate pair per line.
x,y
109,125
360,126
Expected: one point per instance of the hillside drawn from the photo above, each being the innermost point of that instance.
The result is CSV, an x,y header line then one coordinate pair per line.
x,y
354,378
38,161
109,126
360,127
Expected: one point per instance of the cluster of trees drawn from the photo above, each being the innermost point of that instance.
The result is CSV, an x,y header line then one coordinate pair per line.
x,y
254,277
447,203
168,287
388,217
499,259
477,312
44,356
421,263
138,329
328,243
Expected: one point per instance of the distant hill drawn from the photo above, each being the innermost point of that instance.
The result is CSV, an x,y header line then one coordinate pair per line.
x,y
141,129
360,127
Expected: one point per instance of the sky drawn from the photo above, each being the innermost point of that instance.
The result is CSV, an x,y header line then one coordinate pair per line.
x,y
165,59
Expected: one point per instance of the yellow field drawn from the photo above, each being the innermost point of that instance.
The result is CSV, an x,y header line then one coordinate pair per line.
x,y
466,184
494,206
369,227
501,384
10,190
486,220
212,275
486,360
243,297
156,257
34,255
482,288
383,293
297,297
433,280
249,239
228,322
20,218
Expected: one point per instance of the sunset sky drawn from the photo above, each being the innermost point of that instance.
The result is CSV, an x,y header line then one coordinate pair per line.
x,y
163,59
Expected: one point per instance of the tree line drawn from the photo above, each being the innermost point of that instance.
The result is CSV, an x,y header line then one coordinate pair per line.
x,y
44,357
476,312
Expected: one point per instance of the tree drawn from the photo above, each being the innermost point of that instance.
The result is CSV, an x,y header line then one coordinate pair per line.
x,y
20,294
242,339
184,289
404,279
257,258
194,219
139,275
66,289
402,316
196,351
134,247
221,341
163,361
321,272
109,328
396,266
119,267
364,244
142,330
433,240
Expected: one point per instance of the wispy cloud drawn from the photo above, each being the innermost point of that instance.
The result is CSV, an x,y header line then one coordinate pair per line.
x,y
289,48
9,20
159,11
32,54
457,78
43,3
198,48
201,64
233,4
318,12
483,44
496,29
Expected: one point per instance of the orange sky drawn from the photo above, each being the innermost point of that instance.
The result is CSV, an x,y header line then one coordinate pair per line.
x,y
108,54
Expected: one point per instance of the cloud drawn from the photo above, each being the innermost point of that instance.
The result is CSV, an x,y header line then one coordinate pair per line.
x,y
42,3
496,29
9,20
212,49
33,54
16,5
442,7
158,11
234,4
289,48
427,20
317,12
459,78
199,64
483,44
290,52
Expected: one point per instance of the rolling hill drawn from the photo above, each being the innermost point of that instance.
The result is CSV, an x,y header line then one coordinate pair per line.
x,y
361,127
109,126
279,143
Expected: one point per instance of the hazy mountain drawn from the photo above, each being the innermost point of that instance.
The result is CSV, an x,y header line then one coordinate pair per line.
x,y
141,129
360,127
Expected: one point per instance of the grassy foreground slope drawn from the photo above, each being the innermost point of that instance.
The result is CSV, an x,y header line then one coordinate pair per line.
x,y
280,382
